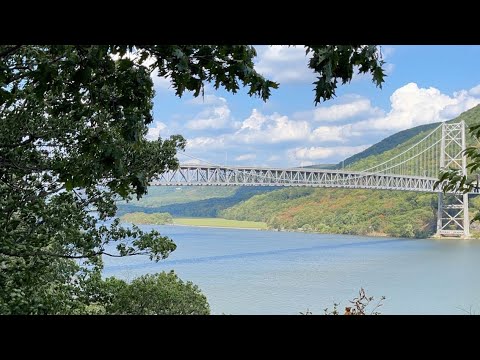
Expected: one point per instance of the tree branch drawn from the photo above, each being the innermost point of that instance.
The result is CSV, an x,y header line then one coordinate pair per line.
x,y
64,256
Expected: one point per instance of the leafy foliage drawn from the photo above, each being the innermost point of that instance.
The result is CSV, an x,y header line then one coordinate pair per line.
x,y
335,63
158,294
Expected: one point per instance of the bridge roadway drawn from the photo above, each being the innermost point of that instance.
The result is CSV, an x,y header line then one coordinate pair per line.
x,y
202,175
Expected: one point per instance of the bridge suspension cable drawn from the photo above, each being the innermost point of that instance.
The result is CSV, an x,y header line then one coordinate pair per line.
x,y
420,159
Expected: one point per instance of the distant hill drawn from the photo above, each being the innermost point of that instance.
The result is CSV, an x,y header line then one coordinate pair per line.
x,y
192,201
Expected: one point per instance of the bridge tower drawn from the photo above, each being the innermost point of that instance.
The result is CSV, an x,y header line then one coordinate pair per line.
x,y
452,216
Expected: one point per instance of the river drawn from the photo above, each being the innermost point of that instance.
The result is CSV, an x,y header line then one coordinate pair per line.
x,y
268,272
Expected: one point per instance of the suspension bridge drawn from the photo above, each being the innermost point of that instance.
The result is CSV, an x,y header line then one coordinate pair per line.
x,y
415,169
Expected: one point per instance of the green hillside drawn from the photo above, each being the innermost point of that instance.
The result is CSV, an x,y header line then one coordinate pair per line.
x,y
142,218
374,212
337,211
210,202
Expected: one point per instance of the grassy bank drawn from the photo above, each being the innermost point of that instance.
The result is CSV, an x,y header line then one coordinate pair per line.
x,y
218,222
140,218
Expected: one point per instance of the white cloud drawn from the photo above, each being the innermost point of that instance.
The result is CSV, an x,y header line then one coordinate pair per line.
x,y
389,67
246,157
463,102
275,128
387,51
213,117
184,160
359,106
320,153
208,99
328,133
284,64
475,91
412,106
274,158
155,132
205,143
306,163
254,121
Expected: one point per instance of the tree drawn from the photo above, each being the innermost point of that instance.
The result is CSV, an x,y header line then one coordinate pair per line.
x,y
72,142
158,294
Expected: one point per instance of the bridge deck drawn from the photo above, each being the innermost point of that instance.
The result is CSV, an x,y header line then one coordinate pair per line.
x,y
202,175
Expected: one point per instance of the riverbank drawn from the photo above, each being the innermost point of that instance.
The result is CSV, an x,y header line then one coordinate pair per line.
x,y
140,218
220,223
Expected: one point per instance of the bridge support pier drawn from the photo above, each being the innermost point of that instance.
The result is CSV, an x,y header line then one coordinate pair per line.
x,y
452,215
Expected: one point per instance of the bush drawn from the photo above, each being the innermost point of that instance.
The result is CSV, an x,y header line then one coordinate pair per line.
x,y
158,294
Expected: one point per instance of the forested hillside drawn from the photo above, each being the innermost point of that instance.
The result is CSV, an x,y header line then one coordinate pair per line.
x,y
340,211
191,201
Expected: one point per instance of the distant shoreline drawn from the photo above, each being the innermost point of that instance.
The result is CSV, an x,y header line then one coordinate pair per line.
x,y
219,223
166,219
222,227
236,227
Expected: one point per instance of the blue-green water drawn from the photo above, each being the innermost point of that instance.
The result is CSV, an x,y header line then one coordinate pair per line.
x,y
267,272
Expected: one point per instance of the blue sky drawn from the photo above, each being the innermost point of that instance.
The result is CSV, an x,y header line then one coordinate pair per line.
x,y
425,84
